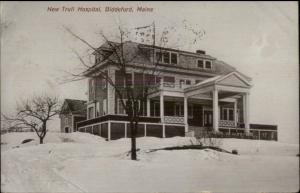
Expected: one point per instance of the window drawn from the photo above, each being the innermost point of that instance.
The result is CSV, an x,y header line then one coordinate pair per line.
x,y
169,81
208,64
104,106
177,111
184,82
128,79
91,112
121,109
66,121
200,64
227,114
181,83
91,89
97,109
159,56
197,81
173,58
167,57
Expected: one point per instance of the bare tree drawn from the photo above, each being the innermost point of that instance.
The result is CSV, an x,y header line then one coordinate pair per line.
x,y
34,113
124,58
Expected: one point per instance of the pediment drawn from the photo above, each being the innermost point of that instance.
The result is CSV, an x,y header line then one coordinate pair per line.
x,y
234,80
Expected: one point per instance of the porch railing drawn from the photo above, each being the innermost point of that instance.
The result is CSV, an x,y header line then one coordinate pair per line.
x,y
174,119
226,123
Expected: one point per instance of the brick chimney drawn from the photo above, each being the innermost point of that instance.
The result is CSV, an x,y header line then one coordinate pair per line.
x,y
200,51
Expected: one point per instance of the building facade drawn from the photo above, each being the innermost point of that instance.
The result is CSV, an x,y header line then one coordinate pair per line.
x,y
72,111
189,92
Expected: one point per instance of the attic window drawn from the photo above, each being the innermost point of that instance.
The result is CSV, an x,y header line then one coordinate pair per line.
x,y
200,63
208,64
173,58
167,57
204,64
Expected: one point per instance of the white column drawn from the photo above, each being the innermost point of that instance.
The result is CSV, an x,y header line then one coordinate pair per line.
x,y
235,113
111,93
246,103
162,114
215,111
108,130
148,107
125,129
185,106
164,130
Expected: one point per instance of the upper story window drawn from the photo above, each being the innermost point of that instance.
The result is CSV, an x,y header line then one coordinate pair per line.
x,y
184,82
66,121
91,89
200,63
174,58
91,112
208,64
167,57
204,64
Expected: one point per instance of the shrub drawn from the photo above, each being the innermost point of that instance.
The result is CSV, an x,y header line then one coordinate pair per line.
x,y
234,151
27,140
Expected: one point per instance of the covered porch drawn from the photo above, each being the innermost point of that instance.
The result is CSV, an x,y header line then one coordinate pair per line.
x,y
216,103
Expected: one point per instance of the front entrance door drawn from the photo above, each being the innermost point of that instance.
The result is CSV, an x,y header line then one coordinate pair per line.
x,y
207,118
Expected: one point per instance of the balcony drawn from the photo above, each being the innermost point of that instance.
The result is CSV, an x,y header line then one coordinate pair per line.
x,y
168,86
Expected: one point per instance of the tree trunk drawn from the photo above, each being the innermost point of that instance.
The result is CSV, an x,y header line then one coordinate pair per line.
x,y
41,140
133,140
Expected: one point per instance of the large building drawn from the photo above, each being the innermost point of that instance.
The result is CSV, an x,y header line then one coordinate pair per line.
x,y
192,91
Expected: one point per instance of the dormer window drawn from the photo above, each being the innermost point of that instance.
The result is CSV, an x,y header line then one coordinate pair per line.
x,y
200,64
208,64
204,64
167,57
174,58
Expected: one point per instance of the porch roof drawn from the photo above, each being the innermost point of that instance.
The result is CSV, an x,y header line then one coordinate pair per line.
x,y
231,83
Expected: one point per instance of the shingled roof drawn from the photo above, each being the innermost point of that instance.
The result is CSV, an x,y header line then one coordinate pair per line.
x,y
74,106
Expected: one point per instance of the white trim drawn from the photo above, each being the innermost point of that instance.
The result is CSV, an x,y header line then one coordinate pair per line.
x,y
148,123
109,130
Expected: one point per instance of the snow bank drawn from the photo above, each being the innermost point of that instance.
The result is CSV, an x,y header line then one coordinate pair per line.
x,y
14,139
81,162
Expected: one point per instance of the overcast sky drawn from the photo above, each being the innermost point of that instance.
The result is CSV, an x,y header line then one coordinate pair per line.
x,y
260,39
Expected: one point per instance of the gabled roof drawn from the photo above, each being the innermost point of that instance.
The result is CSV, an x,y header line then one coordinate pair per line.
x,y
74,106
230,79
137,53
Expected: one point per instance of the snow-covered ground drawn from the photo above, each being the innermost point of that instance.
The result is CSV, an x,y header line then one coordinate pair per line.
x,y
80,162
